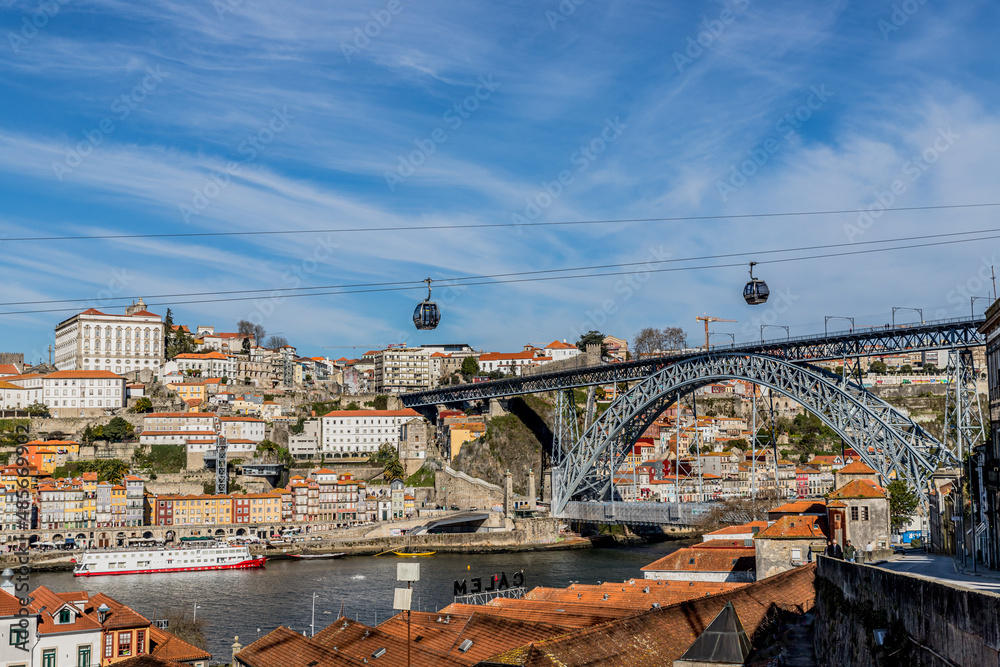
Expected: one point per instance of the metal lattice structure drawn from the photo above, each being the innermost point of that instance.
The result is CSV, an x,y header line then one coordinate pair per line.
x,y
963,418
887,440
939,335
221,467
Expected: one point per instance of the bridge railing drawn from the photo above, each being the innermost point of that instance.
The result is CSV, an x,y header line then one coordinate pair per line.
x,y
687,514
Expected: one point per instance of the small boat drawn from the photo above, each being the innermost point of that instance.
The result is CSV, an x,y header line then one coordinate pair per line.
x,y
414,553
317,556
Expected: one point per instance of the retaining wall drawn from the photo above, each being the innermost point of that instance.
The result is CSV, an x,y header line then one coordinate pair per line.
x,y
927,622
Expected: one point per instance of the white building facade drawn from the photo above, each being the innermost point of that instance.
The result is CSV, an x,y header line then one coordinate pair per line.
x,y
361,432
93,340
402,369
82,393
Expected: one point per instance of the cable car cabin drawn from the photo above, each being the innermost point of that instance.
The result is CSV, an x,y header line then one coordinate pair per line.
x,y
756,292
426,315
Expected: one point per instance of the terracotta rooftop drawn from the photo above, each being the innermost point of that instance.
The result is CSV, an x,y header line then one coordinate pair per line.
x,y
733,559
149,661
859,488
658,637
800,507
741,529
857,468
167,646
795,528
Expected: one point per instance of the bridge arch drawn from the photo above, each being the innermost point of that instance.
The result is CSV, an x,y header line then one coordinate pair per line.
x,y
886,440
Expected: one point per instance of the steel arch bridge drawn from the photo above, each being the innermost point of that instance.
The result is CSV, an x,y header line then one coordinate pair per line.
x,y
886,439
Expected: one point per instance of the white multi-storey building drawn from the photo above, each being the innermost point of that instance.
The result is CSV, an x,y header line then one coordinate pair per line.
x,y
243,428
561,350
360,432
402,369
207,364
82,393
93,340
179,428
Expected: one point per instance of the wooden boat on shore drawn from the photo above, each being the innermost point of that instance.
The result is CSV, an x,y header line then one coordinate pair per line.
x,y
317,556
414,553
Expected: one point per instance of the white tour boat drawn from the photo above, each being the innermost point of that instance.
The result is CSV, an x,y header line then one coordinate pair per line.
x,y
165,559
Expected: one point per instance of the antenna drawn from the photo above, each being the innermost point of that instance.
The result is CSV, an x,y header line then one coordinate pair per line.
x,y
993,275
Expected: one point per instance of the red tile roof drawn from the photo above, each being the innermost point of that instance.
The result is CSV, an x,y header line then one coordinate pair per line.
x,y
859,488
857,468
795,528
731,559
800,507
84,374
406,412
167,646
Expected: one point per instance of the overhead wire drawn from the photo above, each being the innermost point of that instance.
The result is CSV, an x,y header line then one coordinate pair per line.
x,y
414,283
492,225
509,279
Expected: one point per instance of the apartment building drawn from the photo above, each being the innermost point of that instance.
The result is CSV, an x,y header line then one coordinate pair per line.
x,y
207,364
399,370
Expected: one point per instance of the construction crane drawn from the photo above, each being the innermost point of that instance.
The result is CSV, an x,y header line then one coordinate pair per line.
x,y
706,319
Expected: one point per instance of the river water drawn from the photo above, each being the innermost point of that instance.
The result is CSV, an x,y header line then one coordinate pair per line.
x,y
249,603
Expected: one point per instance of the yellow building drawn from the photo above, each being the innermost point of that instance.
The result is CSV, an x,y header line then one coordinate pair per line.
x,y
463,433
264,507
190,390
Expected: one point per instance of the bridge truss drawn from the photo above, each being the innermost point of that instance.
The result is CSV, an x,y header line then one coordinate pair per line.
x,y
886,439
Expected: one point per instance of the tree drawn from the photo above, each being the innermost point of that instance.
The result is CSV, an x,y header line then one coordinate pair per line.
x,y
903,504
930,369
393,469
382,402
470,366
592,338
906,369
648,341
175,341
142,405
385,452
878,367
275,342
255,331
117,429
37,410
674,338
108,470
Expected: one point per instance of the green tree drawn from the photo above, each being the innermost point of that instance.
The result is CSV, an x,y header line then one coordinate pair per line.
x,y
906,369
142,405
382,402
117,429
930,369
37,410
903,504
878,367
92,433
353,405
385,452
299,426
592,338
393,469
470,366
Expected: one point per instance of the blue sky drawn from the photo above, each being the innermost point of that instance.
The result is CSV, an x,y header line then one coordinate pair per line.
x,y
247,115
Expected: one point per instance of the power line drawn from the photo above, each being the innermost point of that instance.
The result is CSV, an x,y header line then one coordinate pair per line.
x,y
461,282
495,225
407,284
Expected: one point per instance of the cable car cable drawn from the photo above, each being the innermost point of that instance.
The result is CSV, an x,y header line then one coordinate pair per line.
x,y
493,225
415,283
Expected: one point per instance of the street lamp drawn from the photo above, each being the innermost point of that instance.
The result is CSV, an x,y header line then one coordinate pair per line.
x,y
972,302
724,333
778,326
895,308
312,624
195,615
827,318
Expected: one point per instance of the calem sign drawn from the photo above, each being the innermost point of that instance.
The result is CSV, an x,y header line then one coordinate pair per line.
x,y
498,582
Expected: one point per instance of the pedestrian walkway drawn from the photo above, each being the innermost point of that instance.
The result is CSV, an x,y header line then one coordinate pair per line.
x,y
944,569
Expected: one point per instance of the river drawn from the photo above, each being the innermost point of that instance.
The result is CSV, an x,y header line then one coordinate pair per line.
x,y
249,603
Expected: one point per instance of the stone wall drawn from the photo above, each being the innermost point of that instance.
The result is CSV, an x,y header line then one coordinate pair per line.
x,y
928,623
457,488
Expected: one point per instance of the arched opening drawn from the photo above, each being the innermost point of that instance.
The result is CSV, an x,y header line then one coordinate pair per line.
x,y
148,534
240,532
103,540
169,536
220,533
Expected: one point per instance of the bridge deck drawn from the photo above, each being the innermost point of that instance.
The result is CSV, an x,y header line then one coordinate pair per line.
x,y
937,335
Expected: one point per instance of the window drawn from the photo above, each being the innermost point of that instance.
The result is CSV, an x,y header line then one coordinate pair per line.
x,y
65,616
83,656
109,645
854,513
49,657
140,635
864,512
18,636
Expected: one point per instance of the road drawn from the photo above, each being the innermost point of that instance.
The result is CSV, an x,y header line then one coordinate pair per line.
x,y
942,568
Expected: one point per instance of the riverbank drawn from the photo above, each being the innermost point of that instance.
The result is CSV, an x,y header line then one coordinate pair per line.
x,y
453,543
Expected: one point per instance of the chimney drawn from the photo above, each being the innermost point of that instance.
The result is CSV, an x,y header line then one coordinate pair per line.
x,y
102,612
531,490
236,648
7,584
